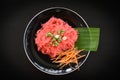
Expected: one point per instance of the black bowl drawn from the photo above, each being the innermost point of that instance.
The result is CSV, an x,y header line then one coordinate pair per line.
x,y
43,62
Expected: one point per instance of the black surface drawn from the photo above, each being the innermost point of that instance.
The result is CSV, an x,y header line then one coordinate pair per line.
x,y
103,64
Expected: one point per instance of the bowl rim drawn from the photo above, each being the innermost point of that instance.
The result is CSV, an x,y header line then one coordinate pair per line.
x,y
24,39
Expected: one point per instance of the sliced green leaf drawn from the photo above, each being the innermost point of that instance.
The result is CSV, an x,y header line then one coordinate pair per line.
x,y
88,38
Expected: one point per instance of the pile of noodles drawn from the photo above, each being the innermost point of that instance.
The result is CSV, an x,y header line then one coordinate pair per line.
x,y
53,25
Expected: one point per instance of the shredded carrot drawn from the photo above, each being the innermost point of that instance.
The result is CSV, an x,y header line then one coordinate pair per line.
x,y
67,57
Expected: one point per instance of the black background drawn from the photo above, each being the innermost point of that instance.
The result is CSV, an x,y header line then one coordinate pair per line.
x,y
15,15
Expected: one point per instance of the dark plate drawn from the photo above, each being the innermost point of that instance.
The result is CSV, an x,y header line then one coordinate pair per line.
x,y
43,62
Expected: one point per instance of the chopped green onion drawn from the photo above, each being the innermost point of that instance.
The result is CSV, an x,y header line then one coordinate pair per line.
x,y
55,43
56,39
49,34
61,32
53,39
59,39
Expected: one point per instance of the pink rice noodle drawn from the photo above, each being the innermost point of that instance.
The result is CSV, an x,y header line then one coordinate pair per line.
x,y
53,25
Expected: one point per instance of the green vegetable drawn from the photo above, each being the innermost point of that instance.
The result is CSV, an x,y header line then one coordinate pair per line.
x,y
53,39
49,34
61,32
59,39
88,38
55,43
56,39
